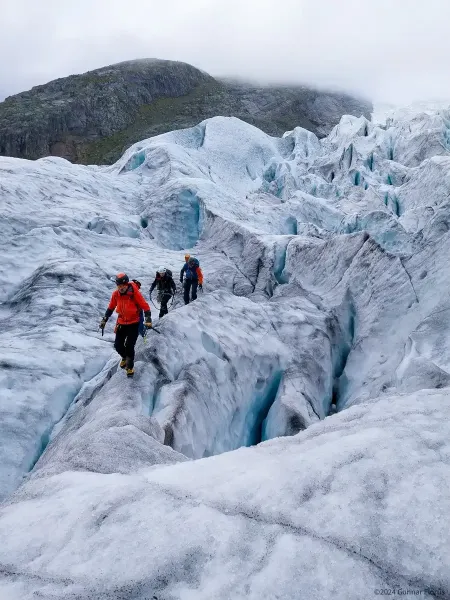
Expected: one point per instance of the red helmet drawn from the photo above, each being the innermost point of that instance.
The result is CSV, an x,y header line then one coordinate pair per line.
x,y
122,278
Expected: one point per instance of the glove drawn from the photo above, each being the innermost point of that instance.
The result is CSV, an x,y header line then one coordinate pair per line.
x,y
148,324
103,323
181,280
200,287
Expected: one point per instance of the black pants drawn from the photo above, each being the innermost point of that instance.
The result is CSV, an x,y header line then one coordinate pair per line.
x,y
165,297
188,284
126,337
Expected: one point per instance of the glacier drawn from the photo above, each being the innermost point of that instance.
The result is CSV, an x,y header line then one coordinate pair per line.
x,y
286,435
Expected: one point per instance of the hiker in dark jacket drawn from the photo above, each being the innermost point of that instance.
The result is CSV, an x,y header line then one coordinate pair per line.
x,y
166,288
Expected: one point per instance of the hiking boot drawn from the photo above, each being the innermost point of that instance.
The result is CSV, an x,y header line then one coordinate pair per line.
x,y
123,363
130,372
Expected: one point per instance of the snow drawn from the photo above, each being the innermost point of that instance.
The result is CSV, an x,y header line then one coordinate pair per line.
x,y
286,435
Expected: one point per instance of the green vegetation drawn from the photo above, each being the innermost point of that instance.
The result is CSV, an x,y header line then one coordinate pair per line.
x,y
162,115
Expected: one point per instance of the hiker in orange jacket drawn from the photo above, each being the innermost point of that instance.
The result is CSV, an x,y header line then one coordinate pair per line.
x,y
129,302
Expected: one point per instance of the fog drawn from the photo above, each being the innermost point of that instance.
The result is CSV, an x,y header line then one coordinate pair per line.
x,y
384,50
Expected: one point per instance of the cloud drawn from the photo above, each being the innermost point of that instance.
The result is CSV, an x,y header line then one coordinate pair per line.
x,y
392,50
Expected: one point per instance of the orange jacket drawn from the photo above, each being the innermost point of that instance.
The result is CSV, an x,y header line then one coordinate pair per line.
x,y
129,305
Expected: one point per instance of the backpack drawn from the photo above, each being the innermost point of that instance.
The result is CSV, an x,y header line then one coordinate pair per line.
x,y
193,263
142,330
134,285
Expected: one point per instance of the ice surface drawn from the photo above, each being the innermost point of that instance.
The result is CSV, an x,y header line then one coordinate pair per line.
x,y
330,510
326,289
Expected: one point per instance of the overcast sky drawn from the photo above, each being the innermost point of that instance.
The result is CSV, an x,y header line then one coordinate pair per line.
x,y
387,50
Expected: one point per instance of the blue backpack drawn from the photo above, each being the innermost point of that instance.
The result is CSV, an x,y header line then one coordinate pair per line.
x,y
142,330
193,263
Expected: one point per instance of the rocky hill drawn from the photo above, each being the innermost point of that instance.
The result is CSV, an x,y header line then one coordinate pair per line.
x,y
92,118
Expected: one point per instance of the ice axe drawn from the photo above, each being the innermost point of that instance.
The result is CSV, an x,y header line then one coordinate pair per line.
x,y
149,329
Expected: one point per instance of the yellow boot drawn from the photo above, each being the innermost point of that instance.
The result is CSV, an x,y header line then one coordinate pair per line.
x,y
130,365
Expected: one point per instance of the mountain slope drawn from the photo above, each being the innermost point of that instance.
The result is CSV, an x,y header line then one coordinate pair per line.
x,y
92,118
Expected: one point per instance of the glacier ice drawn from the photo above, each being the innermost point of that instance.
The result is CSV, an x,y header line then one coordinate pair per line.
x,y
218,471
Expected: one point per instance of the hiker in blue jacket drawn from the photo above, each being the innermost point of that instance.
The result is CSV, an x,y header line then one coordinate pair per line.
x,y
193,277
